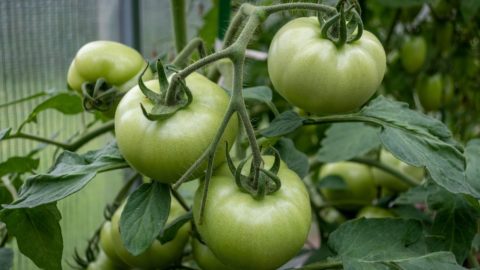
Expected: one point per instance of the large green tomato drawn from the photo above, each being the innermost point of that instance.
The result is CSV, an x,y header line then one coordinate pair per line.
x,y
360,189
391,182
205,257
435,91
108,247
118,64
374,212
102,262
157,256
248,233
413,53
165,149
315,75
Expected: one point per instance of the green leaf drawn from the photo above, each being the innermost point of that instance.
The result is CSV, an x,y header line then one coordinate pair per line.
x,y
170,231
6,258
18,165
258,93
472,154
64,102
340,143
333,182
414,195
421,141
70,173
296,160
38,234
283,124
386,244
144,216
455,223
403,3
4,133
468,8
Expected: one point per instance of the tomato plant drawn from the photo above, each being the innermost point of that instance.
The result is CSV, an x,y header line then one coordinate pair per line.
x,y
413,53
359,187
435,92
164,149
307,160
315,75
157,255
242,231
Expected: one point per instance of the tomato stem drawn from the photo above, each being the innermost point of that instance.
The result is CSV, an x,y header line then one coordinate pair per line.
x,y
179,23
186,53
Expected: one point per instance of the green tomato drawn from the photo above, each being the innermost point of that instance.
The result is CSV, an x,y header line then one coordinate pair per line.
x,y
118,64
248,233
205,257
434,92
103,262
165,149
360,189
315,75
391,182
374,212
157,255
108,247
413,53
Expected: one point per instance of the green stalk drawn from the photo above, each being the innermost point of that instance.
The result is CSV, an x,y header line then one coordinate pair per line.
x,y
405,178
179,24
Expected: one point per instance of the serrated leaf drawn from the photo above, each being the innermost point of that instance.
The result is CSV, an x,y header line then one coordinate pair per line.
x,y
421,141
170,231
454,226
6,258
38,234
283,124
411,212
258,93
144,216
296,160
468,8
344,141
333,182
70,173
64,102
4,133
386,244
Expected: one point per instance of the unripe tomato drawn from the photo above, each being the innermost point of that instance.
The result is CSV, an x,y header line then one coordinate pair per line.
x,y
374,212
391,182
434,92
118,64
166,148
249,233
158,255
413,53
102,262
315,75
108,247
205,257
360,189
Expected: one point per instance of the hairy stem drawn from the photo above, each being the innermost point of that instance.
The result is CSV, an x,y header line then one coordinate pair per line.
x,y
182,58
